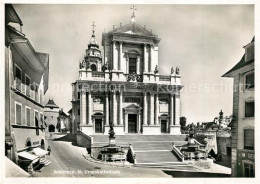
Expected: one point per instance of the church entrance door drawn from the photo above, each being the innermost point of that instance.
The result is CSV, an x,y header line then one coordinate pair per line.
x,y
98,125
132,123
163,126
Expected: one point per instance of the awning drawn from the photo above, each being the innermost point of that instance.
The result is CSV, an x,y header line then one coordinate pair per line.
x,y
28,156
40,152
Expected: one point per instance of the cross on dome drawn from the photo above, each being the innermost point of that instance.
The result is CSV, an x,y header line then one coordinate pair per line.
x,y
133,15
93,25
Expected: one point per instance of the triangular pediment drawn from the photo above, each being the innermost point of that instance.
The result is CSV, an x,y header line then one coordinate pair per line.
x,y
133,28
132,106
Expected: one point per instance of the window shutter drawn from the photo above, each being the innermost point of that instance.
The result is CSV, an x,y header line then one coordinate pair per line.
x,y
18,114
28,116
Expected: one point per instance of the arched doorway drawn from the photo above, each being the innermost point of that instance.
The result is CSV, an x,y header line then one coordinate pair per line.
x,y
93,67
51,128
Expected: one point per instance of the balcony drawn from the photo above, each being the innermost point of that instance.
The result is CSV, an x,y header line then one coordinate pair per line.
x,y
27,91
98,74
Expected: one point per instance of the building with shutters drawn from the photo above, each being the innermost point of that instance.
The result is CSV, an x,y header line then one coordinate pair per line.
x,y
26,82
124,86
243,122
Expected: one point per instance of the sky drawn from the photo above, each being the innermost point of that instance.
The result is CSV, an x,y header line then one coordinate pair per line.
x,y
204,41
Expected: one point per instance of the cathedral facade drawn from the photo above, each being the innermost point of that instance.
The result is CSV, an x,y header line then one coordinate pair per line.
x,y
124,86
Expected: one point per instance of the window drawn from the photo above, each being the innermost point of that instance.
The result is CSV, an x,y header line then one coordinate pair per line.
x,y
18,77
18,113
28,116
78,111
250,81
249,140
27,84
249,109
249,170
132,65
78,95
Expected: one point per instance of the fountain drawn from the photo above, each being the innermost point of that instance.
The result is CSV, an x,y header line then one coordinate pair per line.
x,y
193,149
112,152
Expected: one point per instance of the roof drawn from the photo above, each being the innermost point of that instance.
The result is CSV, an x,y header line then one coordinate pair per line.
x,y
24,46
93,40
240,64
208,125
51,104
11,15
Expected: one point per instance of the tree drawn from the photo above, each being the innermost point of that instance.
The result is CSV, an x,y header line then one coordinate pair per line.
x,y
183,121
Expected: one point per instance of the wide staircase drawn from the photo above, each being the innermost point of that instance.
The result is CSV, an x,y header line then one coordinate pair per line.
x,y
150,150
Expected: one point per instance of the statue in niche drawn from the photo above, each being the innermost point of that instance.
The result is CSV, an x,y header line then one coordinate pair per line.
x,y
177,71
156,70
172,70
104,67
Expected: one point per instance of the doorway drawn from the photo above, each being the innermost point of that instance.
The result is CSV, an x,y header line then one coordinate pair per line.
x,y
163,126
132,123
98,125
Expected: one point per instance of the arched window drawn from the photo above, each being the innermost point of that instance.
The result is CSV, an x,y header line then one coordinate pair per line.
x,y
93,67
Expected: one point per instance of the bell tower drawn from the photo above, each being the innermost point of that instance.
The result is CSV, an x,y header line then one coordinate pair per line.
x,y
93,60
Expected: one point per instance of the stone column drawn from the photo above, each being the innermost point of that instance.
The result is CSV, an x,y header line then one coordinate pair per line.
x,y
120,108
107,111
156,109
120,56
151,109
114,108
177,109
83,109
145,59
114,56
171,109
89,108
127,64
145,109
151,59
138,65
126,122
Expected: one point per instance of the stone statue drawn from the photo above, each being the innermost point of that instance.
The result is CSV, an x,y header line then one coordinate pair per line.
x,y
111,130
104,67
156,70
172,70
177,71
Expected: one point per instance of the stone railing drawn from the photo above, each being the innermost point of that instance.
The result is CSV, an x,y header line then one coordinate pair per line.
x,y
132,153
164,78
178,152
98,74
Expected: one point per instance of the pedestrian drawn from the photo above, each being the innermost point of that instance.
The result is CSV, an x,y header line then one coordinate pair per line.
x,y
49,150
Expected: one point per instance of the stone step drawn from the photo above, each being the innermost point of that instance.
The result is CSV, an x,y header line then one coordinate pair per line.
x,y
156,157
139,138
